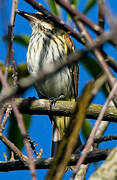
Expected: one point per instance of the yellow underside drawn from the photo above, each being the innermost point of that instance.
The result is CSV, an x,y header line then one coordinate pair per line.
x,y
62,122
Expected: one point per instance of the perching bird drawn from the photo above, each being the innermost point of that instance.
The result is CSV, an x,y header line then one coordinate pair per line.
x,y
49,44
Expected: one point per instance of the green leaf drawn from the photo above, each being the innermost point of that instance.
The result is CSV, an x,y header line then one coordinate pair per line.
x,y
20,39
14,134
91,66
94,69
74,2
89,5
54,7
86,129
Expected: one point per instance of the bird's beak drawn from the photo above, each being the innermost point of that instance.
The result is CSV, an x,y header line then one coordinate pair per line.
x,y
28,16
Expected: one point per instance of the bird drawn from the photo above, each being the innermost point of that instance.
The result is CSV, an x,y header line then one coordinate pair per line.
x,y
48,44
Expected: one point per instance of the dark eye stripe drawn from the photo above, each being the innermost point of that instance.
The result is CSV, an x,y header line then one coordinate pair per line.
x,y
39,16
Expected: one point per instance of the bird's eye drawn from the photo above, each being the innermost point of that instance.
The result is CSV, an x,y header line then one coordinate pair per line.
x,y
46,17
37,15
41,16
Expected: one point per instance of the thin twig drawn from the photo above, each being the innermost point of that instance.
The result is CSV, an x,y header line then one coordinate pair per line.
x,y
71,136
12,147
105,138
98,141
46,73
101,17
22,129
92,135
101,13
11,29
5,119
10,54
74,12
45,163
41,76
89,42
67,28
69,141
10,51
55,19
82,18
1,115
98,54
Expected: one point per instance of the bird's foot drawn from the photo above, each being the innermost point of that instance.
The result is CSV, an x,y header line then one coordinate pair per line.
x,y
32,98
53,100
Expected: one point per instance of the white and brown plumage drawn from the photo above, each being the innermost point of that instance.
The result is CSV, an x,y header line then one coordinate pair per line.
x,y
49,44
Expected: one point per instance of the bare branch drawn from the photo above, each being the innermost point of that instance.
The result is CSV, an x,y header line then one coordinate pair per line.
x,y
55,19
22,129
101,13
46,73
108,170
70,138
11,146
74,12
43,163
10,51
5,119
42,75
92,135
105,138
89,42
61,108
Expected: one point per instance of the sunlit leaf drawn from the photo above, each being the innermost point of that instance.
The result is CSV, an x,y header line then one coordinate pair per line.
x,y
20,39
74,2
89,5
14,134
21,69
54,7
86,129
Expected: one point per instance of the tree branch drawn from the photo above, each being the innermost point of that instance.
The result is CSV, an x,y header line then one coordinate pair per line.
x,y
55,19
53,69
108,170
74,12
61,108
43,163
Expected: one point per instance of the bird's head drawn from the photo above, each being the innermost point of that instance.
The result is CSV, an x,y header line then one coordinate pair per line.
x,y
37,19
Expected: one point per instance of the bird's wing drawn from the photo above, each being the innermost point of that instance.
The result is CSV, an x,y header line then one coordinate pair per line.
x,y
74,69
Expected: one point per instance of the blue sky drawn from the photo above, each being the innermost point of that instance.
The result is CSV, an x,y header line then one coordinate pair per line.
x,y
40,129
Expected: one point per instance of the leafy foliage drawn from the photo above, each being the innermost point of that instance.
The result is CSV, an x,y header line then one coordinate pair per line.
x,y
94,69
74,2
14,133
20,39
89,5
54,7
91,66
88,62
86,129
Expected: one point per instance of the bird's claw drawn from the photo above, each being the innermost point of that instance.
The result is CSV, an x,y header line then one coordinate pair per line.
x,y
32,98
53,100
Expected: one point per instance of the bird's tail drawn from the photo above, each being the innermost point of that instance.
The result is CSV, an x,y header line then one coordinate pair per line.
x,y
60,124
